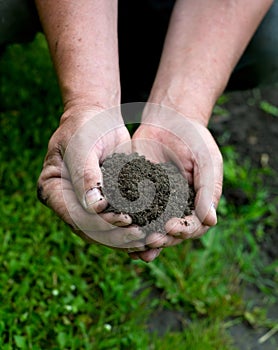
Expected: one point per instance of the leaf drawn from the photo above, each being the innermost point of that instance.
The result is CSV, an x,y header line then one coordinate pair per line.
x,y
269,108
62,339
20,341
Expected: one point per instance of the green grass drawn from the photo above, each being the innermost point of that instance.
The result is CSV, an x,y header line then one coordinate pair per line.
x,y
56,292
269,108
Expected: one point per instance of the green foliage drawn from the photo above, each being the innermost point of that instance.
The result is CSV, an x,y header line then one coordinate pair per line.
x,y
269,108
200,335
199,280
59,293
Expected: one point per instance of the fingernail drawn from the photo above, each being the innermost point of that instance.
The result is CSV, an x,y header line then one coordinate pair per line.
x,y
213,212
93,196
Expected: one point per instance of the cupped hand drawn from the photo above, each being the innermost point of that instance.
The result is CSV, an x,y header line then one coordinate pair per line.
x,y
166,136
71,179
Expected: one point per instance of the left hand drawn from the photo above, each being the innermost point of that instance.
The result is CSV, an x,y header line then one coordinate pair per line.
x,y
167,136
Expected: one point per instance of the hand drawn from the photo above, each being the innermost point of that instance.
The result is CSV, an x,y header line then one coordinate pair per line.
x,y
167,136
71,178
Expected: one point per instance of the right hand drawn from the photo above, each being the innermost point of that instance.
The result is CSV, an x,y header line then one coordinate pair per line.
x,y
71,177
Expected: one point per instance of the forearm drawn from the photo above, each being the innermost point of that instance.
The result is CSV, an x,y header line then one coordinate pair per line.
x,y
82,37
203,44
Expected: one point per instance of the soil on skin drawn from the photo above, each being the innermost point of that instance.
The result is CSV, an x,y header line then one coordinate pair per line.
x,y
150,193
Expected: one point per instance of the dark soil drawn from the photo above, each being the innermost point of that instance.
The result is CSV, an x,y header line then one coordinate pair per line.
x,y
254,135
150,193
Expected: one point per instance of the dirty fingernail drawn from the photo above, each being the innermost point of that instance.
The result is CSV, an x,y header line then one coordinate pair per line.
x,y
93,196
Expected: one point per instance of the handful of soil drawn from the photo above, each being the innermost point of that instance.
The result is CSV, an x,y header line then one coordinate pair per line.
x,y
150,193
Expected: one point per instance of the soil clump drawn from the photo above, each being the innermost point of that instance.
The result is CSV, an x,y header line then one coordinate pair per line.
x,y
150,193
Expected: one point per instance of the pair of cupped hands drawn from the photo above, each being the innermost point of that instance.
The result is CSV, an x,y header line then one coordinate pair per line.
x,y
71,179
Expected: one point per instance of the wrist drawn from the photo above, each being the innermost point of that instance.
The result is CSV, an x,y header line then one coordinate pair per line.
x,y
189,98
80,110
96,97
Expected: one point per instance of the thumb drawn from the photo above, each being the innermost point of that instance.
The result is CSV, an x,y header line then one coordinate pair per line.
x,y
90,186
87,183
82,167
208,187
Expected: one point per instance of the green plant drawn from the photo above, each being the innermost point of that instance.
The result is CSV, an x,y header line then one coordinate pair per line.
x,y
269,108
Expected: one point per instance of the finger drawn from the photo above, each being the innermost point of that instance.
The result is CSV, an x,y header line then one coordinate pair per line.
x,y
200,232
205,156
94,201
206,203
149,255
157,241
172,241
130,238
86,148
101,231
120,220
208,179
134,256
63,200
87,181
59,195
185,228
